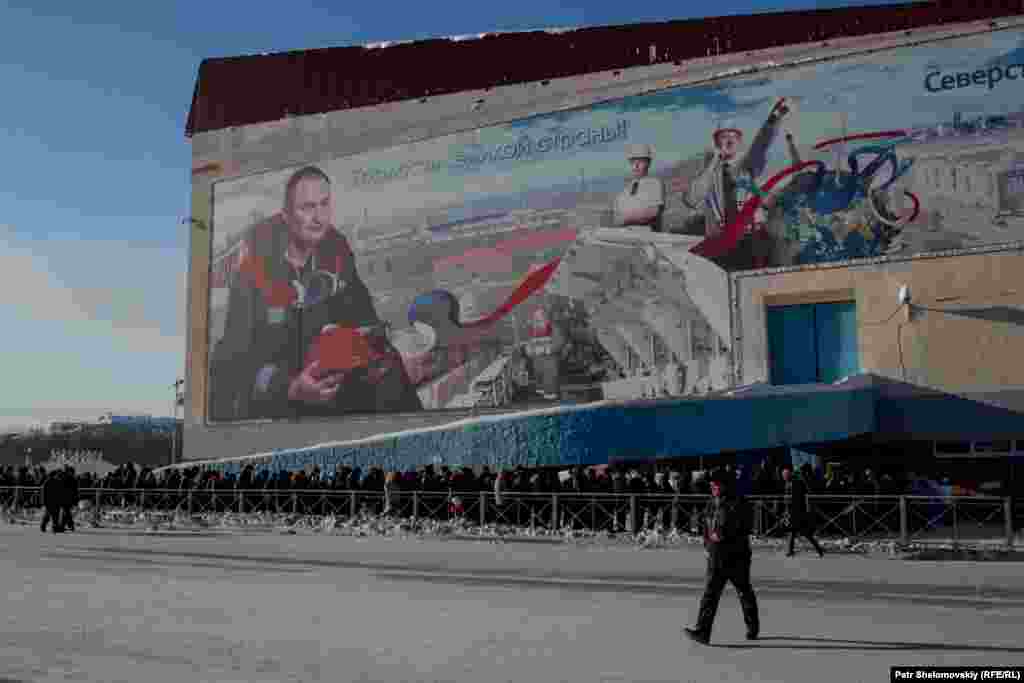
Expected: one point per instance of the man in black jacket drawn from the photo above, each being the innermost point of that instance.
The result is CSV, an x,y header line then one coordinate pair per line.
x,y
69,499
800,522
53,495
727,523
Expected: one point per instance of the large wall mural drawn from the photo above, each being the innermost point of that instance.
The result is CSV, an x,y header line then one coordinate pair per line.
x,y
584,254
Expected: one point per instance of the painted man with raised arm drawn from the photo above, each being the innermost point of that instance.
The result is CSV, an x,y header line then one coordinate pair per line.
x,y
718,190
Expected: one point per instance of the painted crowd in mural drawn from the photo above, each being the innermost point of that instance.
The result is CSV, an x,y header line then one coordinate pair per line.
x,y
583,255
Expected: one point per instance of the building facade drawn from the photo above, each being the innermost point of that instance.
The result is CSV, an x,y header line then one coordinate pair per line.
x,y
486,226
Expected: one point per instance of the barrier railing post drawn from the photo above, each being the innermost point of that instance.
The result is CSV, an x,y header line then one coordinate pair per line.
x,y
415,505
295,503
675,512
634,523
353,502
853,517
812,514
96,516
17,498
142,499
554,512
1008,520
904,531
241,504
483,508
188,497
956,523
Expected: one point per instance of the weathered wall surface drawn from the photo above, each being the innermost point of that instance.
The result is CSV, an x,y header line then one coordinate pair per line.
x,y
581,435
966,326
239,152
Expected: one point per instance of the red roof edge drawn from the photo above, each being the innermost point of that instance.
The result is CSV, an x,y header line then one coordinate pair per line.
x,y
246,90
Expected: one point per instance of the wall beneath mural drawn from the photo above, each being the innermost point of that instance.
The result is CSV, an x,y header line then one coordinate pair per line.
x,y
962,332
579,435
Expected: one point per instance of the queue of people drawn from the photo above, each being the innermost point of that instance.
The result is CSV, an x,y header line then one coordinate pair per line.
x,y
680,478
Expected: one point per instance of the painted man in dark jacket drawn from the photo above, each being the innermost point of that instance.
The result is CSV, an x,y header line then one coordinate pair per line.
x,y
727,523
297,282
800,521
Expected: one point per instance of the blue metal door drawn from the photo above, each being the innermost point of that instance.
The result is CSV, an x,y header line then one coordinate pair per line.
x,y
836,333
792,347
812,343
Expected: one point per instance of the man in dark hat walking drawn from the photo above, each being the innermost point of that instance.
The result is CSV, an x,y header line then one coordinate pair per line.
x,y
727,523
53,491
800,522
69,499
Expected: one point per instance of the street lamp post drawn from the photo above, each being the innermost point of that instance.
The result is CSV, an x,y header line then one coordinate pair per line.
x,y
174,417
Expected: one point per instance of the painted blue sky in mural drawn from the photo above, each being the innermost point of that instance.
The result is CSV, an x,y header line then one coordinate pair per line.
x,y
875,92
871,92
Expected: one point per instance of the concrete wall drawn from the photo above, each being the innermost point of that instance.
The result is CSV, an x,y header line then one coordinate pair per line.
x,y
247,150
596,433
965,332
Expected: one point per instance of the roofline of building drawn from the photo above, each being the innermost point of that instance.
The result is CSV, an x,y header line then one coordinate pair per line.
x,y
305,82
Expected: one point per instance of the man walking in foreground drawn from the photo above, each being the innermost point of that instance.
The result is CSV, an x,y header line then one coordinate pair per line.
x,y
800,523
727,523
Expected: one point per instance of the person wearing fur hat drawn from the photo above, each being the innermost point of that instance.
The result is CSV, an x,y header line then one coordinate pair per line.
x,y
727,523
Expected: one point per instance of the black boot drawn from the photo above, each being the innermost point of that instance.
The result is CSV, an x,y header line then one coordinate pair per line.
x,y
697,636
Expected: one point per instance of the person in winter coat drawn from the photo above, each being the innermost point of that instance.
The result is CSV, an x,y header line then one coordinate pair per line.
x,y
69,499
53,493
727,523
800,522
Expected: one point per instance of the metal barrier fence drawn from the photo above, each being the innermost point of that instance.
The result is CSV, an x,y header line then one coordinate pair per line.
x,y
907,518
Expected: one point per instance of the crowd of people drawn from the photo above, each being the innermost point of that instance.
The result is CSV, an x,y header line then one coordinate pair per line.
x,y
671,479
599,497
680,479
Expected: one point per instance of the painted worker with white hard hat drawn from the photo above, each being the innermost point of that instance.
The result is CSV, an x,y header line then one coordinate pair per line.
x,y
719,190
642,202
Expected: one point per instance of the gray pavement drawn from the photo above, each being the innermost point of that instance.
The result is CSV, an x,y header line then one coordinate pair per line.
x,y
116,606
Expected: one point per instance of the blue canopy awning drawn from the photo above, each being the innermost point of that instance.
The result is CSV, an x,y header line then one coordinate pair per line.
x,y
750,418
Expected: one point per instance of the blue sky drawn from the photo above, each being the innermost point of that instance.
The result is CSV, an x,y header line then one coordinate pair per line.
x,y
95,172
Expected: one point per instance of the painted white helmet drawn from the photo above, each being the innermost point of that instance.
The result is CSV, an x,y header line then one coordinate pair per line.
x,y
640,152
726,124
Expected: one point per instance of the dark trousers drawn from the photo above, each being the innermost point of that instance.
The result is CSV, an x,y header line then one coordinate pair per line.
x,y
803,528
67,517
52,516
732,567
